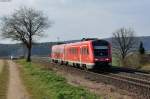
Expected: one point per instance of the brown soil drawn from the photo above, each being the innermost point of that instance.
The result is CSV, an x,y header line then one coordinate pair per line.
x,y
16,89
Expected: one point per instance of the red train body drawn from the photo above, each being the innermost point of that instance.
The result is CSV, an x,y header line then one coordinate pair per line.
x,y
86,54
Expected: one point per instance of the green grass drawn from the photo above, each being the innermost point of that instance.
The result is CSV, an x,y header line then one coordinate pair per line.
x,y
115,61
46,84
4,78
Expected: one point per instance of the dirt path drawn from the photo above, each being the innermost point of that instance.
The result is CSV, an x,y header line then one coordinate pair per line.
x,y
1,65
16,89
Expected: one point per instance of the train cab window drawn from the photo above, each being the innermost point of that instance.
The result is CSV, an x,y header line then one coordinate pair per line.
x,y
101,48
101,51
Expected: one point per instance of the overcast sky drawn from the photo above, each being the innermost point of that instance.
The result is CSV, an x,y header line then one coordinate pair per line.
x,y
75,19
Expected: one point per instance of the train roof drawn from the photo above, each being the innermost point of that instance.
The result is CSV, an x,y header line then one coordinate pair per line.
x,y
87,39
84,40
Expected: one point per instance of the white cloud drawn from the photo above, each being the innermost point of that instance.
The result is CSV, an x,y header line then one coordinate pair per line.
x,y
74,19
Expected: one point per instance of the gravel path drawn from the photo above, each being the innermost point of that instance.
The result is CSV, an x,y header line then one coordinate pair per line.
x,y
16,89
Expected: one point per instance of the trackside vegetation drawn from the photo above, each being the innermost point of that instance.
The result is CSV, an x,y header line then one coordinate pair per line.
x,y
4,76
46,84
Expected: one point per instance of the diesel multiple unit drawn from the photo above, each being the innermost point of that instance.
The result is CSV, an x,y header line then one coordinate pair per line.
x,y
85,54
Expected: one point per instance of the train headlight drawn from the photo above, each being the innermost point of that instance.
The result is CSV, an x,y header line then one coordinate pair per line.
x,y
96,59
107,59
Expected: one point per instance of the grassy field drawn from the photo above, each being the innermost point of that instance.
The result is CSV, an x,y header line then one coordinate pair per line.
x,y
45,84
4,76
1,68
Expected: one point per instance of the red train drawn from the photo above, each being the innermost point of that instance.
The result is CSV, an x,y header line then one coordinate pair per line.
x,y
87,54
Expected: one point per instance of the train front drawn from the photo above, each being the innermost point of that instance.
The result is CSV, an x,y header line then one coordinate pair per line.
x,y
102,53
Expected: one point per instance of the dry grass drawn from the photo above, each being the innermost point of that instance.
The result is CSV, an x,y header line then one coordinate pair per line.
x,y
146,67
4,78
1,68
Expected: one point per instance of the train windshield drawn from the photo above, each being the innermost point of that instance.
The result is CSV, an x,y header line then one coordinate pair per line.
x,y
101,49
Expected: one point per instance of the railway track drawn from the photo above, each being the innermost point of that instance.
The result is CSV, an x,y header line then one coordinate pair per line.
x,y
136,75
139,87
136,83
132,79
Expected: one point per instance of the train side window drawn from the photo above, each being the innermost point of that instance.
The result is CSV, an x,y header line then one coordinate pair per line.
x,y
83,51
72,50
87,51
75,51
69,50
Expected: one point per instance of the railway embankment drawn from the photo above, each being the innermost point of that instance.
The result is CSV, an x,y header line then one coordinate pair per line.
x,y
46,84
136,83
92,82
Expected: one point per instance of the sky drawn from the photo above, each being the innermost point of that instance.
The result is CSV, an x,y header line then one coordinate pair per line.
x,y
76,19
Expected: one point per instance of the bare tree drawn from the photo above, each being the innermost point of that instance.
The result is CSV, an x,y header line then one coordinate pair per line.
x,y
124,42
24,25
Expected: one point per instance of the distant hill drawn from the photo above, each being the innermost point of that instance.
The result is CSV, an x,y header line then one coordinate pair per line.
x,y
39,49
146,42
8,49
44,49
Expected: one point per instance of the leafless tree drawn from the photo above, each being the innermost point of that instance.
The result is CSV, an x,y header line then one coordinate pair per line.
x,y
124,42
24,25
